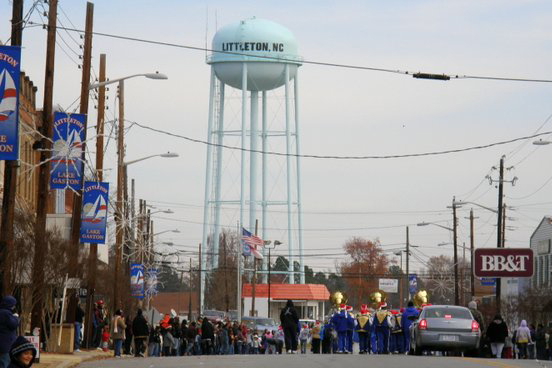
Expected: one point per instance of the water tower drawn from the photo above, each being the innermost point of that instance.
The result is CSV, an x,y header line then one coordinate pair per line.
x,y
250,59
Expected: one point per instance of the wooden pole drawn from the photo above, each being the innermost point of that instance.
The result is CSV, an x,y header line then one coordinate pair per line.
x,y
472,246
93,257
41,247
119,204
74,268
10,178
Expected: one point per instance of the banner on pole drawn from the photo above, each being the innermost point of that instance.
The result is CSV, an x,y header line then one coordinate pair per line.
x,y
412,283
151,282
66,165
137,280
95,197
10,58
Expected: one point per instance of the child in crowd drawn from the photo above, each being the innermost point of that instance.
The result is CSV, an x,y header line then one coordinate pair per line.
x,y
303,336
22,353
105,338
255,343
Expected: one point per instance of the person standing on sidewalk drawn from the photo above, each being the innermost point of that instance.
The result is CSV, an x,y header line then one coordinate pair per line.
x,y
140,330
79,317
290,323
497,332
9,321
118,327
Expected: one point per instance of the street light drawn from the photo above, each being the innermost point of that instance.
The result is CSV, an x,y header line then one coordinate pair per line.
x,y
167,231
267,245
164,155
540,142
120,172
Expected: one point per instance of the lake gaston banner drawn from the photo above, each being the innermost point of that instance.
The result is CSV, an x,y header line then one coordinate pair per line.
x,y
137,280
95,197
66,165
10,58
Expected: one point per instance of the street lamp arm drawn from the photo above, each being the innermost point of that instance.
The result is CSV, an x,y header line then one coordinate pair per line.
x,y
433,223
459,203
111,81
168,155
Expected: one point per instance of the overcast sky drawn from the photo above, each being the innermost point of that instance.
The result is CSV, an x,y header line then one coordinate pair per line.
x,y
343,111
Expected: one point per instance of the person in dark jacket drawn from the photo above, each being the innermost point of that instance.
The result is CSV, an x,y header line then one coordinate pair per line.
x,y
140,330
22,353
497,332
183,337
79,319
540,342
9,321
207,336
290,322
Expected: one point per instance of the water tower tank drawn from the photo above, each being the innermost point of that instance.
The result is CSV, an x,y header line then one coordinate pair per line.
x,y
264,45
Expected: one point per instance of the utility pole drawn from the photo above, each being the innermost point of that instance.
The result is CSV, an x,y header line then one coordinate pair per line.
x,y
407,262
499,230
199,280
504,225
190,294
119,205
10,178
254,281
93,256
77,198
454,231
472,248
226,296
41,246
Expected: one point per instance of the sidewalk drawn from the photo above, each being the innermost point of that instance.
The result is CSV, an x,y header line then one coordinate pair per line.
x,y
51,360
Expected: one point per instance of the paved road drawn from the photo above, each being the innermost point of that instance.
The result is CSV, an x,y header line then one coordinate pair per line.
x,y
313,361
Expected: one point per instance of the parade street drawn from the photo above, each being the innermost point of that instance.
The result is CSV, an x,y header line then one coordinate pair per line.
x,y
313,361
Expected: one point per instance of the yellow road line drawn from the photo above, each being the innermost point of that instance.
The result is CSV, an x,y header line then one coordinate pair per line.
x,y
490,363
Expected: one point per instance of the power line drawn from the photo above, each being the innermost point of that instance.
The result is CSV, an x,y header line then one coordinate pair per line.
x,y
335,157
312,62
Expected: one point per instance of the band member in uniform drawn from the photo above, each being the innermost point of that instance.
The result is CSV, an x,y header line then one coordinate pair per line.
x,y
363,328
350,328
396,343
409,315
381,327
339,322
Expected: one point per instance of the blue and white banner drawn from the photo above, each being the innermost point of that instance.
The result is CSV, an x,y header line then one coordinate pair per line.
x,y
95,197
66,166
10,59
137,280
412,283
151,282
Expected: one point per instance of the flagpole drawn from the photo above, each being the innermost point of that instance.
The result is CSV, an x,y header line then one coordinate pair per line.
x,y
252,313
240,247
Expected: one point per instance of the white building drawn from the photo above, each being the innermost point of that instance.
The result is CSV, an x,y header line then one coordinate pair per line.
x,y
540,242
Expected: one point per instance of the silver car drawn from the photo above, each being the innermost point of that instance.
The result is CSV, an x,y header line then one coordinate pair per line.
x,y
444,327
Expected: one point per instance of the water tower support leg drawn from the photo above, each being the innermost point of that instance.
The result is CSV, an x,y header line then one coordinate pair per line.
x,y
264,184
204,247
298,177
218,176
253,159
243,146
288,177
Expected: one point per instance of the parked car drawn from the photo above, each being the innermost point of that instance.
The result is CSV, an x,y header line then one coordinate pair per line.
x,y
444,328
232,315
214,315
260,323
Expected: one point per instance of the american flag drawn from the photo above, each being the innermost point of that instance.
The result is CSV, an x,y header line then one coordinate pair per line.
x,y
253,242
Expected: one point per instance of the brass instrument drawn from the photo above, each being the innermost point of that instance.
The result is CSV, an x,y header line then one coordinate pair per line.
x,y
376,298
337,298
420,298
